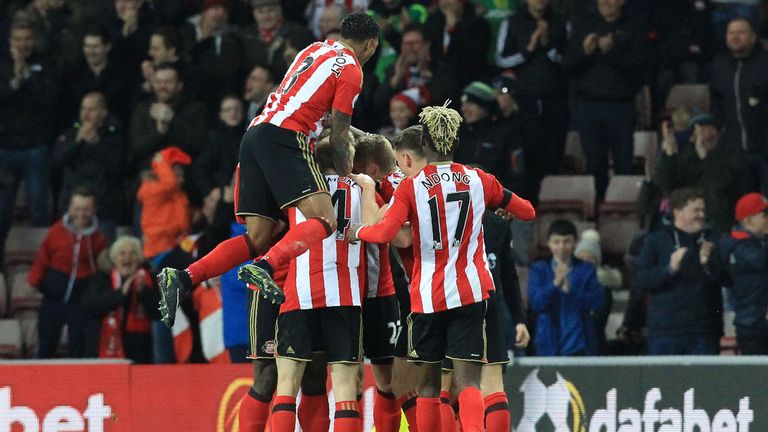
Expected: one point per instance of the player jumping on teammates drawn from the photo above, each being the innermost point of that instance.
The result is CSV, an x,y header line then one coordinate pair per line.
x,y
277,167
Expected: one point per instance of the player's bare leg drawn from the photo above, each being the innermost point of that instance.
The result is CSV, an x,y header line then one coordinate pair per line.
x,y
313,408
471,406
497,417
254,407
175,285
344,377
320,223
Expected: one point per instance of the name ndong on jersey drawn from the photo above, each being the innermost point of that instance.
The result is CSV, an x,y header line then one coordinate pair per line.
x,y
433,179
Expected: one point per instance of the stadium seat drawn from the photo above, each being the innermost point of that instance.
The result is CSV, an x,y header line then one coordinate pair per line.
x,y
644,108
10,339
28,320
618,220
568,195
728,346
23,296
693,96
645,144
3,296
574,160
22,244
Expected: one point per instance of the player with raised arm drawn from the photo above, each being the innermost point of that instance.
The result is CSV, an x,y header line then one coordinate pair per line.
x,y
277,167
445,202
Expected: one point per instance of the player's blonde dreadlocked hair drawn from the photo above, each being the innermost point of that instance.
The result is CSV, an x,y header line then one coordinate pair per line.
x,y
442,126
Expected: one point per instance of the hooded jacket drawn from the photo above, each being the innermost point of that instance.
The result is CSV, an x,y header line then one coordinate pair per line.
x,y
747,258
687,301
65,260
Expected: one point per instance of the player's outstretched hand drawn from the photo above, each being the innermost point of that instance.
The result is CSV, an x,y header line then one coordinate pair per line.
x,y
365,181
352,233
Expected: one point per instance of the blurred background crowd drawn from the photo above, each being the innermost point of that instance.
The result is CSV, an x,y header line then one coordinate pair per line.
x,y
635,126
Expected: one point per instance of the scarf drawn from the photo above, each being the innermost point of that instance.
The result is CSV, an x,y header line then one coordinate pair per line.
x,y
136,321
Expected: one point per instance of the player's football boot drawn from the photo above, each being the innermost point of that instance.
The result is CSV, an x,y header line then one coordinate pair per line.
x,y
174,286
259,277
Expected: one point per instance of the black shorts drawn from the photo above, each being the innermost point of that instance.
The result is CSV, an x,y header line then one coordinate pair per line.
x,y
458,334
496,349
337,331
381,328
262,315
401,346
277,169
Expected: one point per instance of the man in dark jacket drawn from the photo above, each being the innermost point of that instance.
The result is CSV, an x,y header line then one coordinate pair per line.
x,y
531,43
481,141
171,119
65,262
606,60
681,273
707,165
747,258
98,71
27,102
90,153
264,42
739,97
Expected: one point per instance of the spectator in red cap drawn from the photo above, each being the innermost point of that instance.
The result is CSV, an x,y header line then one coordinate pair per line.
x,y
403,109
166,216
747,258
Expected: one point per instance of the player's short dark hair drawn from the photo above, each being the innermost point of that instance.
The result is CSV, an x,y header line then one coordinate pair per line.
x,y
323,154
373,148
409,139
359,26
170,37
562,227
679,198
100,32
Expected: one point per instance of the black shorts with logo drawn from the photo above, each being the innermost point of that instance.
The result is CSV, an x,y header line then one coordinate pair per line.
x,y
277,169
262,315
337,331
458,334
381,328
496,349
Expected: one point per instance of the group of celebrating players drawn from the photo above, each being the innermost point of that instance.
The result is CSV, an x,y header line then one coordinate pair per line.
x,y
323,276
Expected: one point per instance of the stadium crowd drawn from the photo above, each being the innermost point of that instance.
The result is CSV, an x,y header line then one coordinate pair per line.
x,y
126,117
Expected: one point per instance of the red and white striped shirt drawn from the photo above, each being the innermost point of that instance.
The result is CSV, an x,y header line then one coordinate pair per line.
x,y
445,205
379,282
330,273
323,76
387,189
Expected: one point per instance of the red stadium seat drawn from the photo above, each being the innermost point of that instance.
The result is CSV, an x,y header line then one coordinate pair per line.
x,y
568,195
28,320
10,339
23,296
618,220
22,244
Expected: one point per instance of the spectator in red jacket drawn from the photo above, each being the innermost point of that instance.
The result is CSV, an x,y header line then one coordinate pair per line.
x,y
165,217
65,263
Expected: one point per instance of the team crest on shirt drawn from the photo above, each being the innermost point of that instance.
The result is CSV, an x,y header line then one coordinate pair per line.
x,y
269,347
